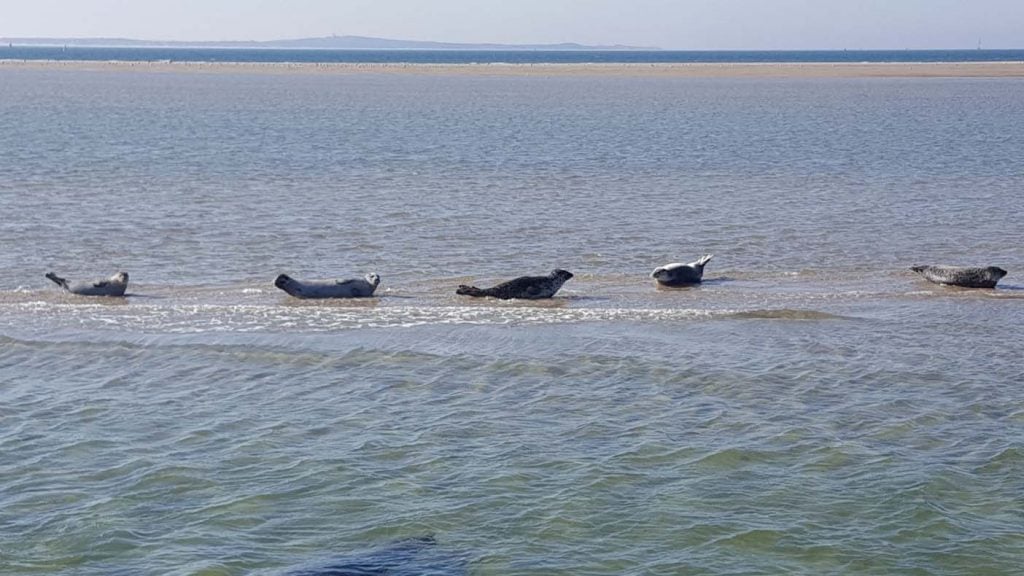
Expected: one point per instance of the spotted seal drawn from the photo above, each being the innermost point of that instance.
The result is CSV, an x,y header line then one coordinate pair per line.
x,y
964,276
350,288
113,286
524,287
679,274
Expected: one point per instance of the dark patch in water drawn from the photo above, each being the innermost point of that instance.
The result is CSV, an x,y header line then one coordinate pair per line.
x,y
410,557
583,298
786,314
718,280
705,282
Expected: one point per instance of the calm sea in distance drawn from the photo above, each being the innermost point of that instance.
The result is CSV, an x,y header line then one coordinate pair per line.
x,y
813,408
198,54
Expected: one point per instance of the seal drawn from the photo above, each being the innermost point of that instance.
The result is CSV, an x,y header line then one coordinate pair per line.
x,y
524,287
113,286
351,288
964,276
679,274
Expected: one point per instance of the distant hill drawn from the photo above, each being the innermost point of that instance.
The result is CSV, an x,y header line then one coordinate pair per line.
x,y
323,43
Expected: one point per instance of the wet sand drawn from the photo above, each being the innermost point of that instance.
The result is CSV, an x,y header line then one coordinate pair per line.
x,y
682,70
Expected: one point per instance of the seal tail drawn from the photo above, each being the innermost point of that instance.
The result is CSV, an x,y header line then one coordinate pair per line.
x,y
57,280
918,269
470,291
704,259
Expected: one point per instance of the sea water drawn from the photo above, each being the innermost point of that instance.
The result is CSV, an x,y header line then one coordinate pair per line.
x,y
814,407
13,51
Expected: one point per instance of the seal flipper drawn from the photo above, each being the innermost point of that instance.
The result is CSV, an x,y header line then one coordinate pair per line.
x,y
57,280
470,291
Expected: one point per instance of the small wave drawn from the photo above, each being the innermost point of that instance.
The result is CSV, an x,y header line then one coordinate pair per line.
x,y
787,314
998,293
1006,291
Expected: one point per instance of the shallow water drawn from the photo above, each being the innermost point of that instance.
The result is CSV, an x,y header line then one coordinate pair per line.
x,y
813,407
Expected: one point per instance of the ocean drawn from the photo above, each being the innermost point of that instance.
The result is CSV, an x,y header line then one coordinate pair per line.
x,y
813,407
199,54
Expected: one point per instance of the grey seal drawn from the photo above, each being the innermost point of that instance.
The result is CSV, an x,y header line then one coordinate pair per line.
x,y
964,276
351,288
113,286
679,274
524,287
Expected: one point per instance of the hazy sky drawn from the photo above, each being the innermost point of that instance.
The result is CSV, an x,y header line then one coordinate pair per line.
x,y
671,24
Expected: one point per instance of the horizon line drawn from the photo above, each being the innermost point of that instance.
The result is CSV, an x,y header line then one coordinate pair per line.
x,y
59,41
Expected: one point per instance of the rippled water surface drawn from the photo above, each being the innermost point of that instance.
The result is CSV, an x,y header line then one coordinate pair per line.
x,y
814,407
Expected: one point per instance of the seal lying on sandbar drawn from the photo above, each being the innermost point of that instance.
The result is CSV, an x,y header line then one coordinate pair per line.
x,y
113,286
409,557
679,274
351,288
965,276
525,287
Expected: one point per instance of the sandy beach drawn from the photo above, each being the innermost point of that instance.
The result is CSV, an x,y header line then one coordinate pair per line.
x,y
687,70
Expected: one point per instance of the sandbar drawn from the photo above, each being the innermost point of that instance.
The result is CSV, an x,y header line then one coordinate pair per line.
x,y
667,70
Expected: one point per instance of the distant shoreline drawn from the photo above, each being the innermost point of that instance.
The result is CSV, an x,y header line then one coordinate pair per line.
x,y
347,42
691,70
